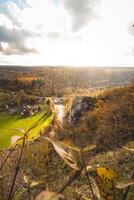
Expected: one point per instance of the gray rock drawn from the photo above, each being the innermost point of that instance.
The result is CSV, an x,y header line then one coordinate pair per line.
x,y
80,105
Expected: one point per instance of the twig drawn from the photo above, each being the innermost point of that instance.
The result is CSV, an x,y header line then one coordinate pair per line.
x,y
114,193
29,192
27,185
88,178
127,190
71,179
17,169
126,193
4,162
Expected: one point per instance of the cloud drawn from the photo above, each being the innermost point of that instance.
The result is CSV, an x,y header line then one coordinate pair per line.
x,y
54,35
11,31
66,32
5,21
81,11
11,10
15,38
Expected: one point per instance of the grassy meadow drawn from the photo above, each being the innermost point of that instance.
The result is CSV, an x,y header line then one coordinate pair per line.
x,y
8,123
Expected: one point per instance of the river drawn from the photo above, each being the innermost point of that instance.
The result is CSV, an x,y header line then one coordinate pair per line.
x,y
60,111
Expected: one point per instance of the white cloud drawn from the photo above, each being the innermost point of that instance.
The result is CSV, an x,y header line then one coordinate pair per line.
x,y
48,26
11,10
5,21
11,32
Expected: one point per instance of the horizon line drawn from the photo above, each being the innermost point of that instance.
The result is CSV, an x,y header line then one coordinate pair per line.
x,y
75,66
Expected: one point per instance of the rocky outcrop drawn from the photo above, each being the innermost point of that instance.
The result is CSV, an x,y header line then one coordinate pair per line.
x,y
80,105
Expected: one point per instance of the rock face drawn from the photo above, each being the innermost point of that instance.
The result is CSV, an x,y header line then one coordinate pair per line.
x,y
80,105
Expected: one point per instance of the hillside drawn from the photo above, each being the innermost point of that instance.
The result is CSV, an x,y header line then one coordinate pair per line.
x,y
110,121
109,125
50,81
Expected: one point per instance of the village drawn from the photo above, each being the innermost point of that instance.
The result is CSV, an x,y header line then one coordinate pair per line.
x,y
25,105
23,109
22,106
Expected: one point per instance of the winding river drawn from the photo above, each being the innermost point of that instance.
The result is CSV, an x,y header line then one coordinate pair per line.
x,y
60,111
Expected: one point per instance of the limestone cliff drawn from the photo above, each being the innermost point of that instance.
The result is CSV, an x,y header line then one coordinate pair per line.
x,y
80,105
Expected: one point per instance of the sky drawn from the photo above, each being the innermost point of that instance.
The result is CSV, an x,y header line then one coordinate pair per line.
x,y
67,32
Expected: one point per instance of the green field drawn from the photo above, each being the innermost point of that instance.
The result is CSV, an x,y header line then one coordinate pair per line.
x,y
8,123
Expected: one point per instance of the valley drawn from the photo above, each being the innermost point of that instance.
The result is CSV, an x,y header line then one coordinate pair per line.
x,y
67,111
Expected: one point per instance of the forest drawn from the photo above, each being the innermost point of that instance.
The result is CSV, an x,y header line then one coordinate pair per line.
x,y
59,81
